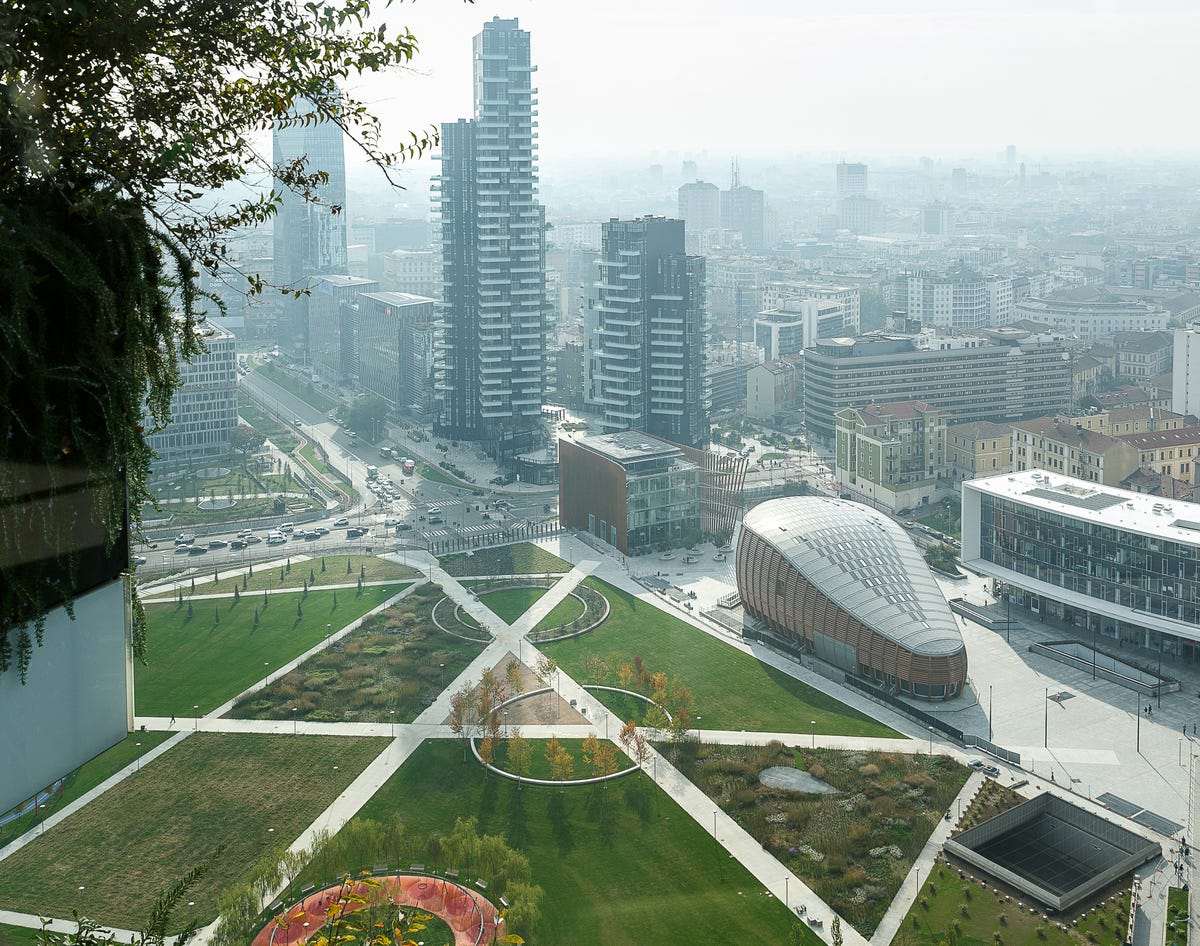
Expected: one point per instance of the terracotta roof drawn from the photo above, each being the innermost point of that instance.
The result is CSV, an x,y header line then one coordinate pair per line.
x,y
1162,438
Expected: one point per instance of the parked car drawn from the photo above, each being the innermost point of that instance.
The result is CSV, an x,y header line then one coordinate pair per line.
x,y
975,764
991,771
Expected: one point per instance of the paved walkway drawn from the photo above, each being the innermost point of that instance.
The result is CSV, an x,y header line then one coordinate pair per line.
x,y
1087,748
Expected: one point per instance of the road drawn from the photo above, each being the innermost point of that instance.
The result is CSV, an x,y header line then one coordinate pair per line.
x,y
418,501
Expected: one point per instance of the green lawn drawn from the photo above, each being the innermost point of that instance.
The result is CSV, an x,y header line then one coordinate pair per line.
x,y
294,386
17,936
520,558
562,613
198,661
427,471
509,604
84,779
397,660
948,902
335,476
948,519
730,689
188,514
149,830
629,868
338,570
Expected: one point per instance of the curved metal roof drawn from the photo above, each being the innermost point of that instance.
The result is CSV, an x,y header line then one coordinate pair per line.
x,y
866,564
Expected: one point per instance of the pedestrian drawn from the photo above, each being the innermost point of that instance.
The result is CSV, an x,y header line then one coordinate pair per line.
x,y
172,719
1193,729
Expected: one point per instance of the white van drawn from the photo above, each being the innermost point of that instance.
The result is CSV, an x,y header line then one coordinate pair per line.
x,y
276,538
288,527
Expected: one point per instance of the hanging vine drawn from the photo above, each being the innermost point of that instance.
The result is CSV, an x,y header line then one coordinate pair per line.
x,y
90,338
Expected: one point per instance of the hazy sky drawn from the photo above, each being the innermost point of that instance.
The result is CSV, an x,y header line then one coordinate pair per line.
x,y
840,77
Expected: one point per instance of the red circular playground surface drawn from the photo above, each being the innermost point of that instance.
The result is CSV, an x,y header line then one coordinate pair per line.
x,y
470,916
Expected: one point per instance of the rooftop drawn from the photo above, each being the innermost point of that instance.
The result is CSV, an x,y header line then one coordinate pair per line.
x,y
628,446
866,564
1107,506
1072,434
1163,438
980,430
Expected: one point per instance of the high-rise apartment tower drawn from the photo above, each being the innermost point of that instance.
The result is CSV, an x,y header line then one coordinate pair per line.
x,y
492,321
645,338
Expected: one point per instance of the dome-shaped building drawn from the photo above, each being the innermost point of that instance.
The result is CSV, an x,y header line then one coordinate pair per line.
x,y
848,584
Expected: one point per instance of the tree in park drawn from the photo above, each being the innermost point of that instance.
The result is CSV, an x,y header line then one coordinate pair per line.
x,y
464,715
299,610
562,763
335,597
487,751
236,595
256,617
591,745
625,674
595,668
512,676
244,580
266,599
190,612
322,564
835,931
216,615
193,584
520,753
312,576
347,565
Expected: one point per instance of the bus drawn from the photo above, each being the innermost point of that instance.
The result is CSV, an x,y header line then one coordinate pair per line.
x,y
372,472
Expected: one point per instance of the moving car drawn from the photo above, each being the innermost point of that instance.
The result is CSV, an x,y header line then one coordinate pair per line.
x,y
217,544
276,538
312,536
237,544
139,560
355,532
183,549
197,550
287,527
343,521
991,771
252,539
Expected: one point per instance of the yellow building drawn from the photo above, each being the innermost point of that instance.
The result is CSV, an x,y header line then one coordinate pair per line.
x,y
983,448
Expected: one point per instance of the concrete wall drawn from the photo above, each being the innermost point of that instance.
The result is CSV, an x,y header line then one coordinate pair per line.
x,y
76,700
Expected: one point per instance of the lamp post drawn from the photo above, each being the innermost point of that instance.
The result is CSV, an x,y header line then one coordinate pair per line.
x,y
441,676
930,728
1137,739
293,720
814,733
506,726
139,756
1046,718
266,672
196,716
392,713
989,712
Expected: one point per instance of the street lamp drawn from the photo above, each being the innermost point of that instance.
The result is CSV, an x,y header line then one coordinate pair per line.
x,y
930,728
506,726
392,713
139,756
293,720
196,715
1046,718
814,733
989,712
266,672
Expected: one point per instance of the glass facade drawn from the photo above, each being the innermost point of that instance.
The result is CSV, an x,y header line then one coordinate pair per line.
x,y
1144,573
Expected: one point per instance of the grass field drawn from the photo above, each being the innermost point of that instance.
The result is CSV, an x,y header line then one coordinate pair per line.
x,y
335,476
84,779
629,869
195,661
948,519
521,558
730,689
427,471
156,825
397,660
17,936
509,604
976,915
339,570
562,613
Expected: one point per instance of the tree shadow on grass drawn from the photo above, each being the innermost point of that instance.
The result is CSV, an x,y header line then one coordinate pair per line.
x,y
559,813
518,819
487,801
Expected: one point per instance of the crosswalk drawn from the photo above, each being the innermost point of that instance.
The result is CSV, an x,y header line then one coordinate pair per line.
x,y
436,533
478,528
